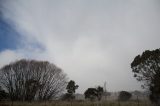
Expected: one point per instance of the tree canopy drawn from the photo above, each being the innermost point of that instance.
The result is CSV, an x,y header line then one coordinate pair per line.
x,y
93,93
27,80
146,68
71,89
124,96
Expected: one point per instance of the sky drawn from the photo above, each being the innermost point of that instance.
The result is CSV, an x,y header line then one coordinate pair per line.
x,y
92,41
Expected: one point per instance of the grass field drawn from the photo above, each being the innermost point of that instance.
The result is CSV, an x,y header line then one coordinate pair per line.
x,y
78,103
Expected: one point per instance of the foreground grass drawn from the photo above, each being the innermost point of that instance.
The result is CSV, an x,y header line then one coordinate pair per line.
x,y
78,103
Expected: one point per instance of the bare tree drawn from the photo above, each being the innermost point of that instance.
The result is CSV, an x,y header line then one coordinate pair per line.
x,y
27,80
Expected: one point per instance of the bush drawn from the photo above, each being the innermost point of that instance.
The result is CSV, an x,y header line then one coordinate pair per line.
x,y
124,96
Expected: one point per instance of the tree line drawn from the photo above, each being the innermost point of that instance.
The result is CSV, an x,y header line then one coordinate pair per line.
x,y
28,80
90,93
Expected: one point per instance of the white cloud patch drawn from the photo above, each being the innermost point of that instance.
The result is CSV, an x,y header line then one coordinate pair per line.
x,y
92,41
8,56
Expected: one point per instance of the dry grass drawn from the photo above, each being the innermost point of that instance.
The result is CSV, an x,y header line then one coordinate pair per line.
x,y
77,103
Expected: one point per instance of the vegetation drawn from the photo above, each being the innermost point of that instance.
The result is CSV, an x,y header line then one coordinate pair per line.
x,y
71,89
124,96
99,92
41,82
3,94
93,93
146,68
28,80
77,103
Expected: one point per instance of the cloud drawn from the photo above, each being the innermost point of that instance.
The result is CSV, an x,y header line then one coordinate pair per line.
x,y
92,41
8,56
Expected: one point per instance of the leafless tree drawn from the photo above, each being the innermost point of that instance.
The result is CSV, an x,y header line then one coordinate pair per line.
x,y
27,80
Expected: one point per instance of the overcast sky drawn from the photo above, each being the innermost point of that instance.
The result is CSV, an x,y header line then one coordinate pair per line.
x,y
93,41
